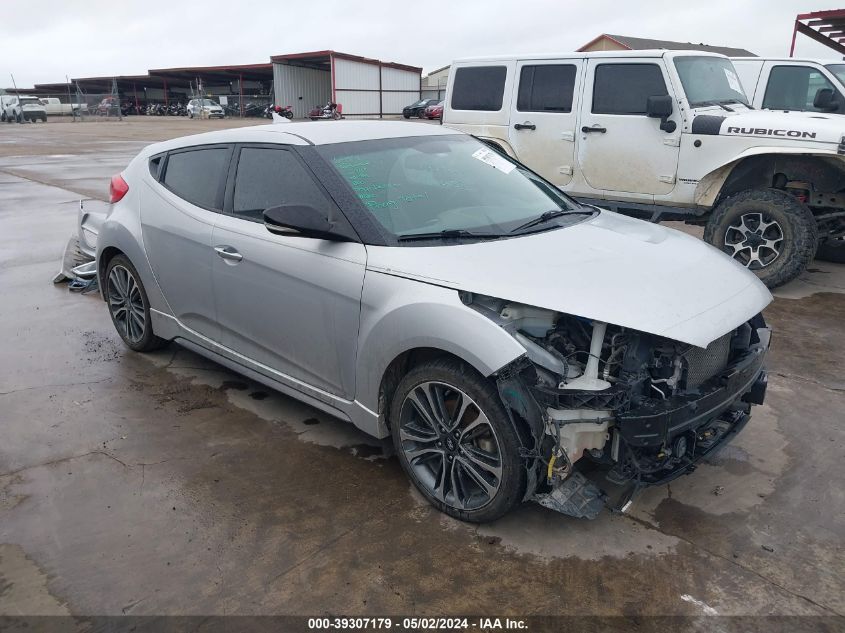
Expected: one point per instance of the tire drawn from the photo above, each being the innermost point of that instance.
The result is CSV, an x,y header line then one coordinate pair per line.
x,y
122,280
832,251
481,446
2,117
407,116
43,118
768,231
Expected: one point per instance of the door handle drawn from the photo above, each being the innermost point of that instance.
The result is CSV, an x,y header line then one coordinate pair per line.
x,y
595,128
528,125
228,253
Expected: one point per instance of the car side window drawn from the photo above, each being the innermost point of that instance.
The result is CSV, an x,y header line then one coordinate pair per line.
x,y
198,175
479,88
794,88
269,177
546,88
625,88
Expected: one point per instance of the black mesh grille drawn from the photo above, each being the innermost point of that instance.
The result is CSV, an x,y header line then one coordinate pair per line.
x,y
703,364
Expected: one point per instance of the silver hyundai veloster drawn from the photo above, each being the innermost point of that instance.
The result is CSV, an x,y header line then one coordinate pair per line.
x,y
422,285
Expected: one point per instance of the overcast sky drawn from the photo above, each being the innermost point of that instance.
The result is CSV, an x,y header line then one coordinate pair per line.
x,y
44,42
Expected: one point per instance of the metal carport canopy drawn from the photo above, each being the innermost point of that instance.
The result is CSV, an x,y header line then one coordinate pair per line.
x,y
825,27
215,75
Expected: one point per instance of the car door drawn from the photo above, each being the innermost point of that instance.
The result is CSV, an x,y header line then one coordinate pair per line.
x,y
620,149
179,206
290,305
544,116
794,87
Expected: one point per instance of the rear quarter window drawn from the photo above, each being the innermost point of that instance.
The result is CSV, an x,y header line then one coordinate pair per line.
x,y
479,88
198,175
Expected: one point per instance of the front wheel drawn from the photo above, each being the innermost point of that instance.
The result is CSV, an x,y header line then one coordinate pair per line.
x,y
766,230
129,306
455,441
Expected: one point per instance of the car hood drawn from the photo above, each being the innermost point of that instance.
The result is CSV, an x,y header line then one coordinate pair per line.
x,y
793,126
610,268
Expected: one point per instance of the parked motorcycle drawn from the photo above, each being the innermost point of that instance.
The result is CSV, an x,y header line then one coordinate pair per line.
x,y
329,112
286,111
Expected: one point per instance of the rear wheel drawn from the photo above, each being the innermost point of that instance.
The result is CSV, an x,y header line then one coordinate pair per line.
x,y
766,230
455,441
129,306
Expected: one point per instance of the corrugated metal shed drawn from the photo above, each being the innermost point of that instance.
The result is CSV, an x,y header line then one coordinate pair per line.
x,y
362,86
301,87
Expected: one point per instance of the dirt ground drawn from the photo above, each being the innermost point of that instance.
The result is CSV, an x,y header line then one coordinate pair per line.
x,y
165,484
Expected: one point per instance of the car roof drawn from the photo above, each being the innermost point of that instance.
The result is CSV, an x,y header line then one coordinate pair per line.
x,y
306,133
658,52
799,60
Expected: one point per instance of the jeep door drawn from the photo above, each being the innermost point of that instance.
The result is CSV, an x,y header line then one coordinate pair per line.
x,y
620,149
179,205
544,116
287,306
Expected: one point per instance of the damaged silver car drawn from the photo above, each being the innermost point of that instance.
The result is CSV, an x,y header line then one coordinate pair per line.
x,y
423,286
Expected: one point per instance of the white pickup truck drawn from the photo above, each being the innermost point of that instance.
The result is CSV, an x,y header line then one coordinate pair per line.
x,y
667,135
54,106
807,85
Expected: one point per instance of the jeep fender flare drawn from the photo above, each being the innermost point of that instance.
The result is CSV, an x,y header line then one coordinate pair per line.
x,y
710,186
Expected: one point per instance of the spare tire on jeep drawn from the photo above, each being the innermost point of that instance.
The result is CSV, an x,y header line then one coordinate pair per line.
x,y
768,231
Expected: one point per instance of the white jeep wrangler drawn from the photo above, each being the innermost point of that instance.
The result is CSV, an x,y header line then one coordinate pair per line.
x,y
666,135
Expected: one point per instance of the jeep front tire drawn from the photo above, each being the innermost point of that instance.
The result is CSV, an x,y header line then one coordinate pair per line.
x,y
766,230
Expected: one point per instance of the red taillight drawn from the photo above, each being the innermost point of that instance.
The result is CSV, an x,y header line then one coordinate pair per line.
x,y
117,188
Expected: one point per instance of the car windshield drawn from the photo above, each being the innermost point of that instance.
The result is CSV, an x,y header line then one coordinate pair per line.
x,y
28,101
208,102
838,70
450,183
709,80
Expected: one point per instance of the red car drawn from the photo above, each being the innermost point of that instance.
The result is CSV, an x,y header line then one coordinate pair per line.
x,y
434,111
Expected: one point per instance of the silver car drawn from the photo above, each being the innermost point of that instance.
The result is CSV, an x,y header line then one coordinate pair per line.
x,y
421,285
209,107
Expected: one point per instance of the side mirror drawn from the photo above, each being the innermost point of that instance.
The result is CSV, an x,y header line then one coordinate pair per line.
x,y
825,100
300,220
661,107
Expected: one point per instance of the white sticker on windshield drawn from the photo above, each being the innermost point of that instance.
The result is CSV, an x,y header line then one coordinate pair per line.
x,y
733,80
494,160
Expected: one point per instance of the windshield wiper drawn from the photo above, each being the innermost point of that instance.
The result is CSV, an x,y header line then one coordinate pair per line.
x,y
738,102
545,217
448,234
715,103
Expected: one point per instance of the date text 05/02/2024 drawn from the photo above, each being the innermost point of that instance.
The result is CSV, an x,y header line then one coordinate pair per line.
x,y
416,624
